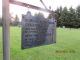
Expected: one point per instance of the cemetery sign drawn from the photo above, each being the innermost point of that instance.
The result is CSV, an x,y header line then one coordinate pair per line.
x,y
37,30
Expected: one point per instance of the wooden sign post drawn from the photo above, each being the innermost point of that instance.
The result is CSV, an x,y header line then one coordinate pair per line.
x,y
5,19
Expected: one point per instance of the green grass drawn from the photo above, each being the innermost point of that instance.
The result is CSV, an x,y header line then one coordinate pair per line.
x,y
67,42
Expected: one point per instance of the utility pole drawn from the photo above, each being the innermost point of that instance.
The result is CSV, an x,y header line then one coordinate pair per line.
x,y
6,32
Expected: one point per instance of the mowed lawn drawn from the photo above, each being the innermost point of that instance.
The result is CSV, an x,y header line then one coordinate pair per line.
x,y
67,46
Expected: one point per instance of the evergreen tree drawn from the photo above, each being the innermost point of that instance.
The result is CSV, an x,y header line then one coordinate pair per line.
x,y
64,17
72,17
78,16
58,15
68,18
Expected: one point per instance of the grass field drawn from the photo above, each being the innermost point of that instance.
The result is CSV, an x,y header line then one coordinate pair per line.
x,y
66,48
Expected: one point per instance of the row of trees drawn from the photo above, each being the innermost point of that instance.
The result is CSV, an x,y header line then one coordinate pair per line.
x,y
68,17
13,21
65,17
16,22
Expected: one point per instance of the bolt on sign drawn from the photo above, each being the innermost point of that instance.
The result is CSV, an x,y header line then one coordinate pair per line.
x,y
37,31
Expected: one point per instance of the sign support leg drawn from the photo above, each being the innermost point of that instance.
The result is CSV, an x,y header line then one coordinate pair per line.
x,y
5,17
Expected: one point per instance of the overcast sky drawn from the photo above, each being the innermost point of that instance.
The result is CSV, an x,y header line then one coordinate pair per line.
x,y
53,3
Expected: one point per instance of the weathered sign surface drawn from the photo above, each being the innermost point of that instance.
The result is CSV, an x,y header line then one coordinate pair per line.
x,y
37,31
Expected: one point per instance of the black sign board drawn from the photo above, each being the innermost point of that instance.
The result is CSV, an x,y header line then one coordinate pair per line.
x,y
36,31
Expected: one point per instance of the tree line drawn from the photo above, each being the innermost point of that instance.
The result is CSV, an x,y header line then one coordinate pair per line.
x,y
69,18
13,22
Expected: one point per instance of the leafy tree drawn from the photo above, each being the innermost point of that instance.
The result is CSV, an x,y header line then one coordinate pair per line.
x,y
16,21
52,14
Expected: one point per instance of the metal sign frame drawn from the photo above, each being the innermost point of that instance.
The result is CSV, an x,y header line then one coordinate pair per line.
x,y
6,29
29,5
